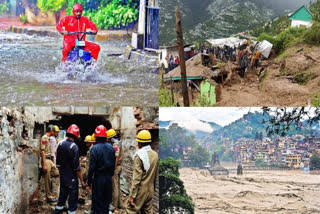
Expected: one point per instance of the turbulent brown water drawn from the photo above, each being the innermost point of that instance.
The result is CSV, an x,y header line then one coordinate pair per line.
x,y
30,75
281,192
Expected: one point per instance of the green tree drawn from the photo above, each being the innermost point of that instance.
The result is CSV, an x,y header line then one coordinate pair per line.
x,y
51,5
282,120
315,9
112,13
259,162
172,195
176,141
198,156
257,136
228,156
315,161
163,147
4,8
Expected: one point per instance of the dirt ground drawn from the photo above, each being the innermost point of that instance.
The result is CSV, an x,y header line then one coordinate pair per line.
x,y
84,202
276,85
258,192
278,88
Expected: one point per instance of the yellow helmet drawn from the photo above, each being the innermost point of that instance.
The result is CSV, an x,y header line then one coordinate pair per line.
x,y
111,133
88,139
93,139
144,136
56,128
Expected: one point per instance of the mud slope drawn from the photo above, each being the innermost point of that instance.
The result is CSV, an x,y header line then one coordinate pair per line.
x,y
259,192
279,87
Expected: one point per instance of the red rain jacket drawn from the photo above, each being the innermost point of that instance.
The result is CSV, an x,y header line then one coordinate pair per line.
x,y
72,24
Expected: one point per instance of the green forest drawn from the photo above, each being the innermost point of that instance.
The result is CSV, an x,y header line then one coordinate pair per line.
x,y
175,141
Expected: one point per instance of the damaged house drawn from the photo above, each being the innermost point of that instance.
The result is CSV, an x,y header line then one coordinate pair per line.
x,y
20,132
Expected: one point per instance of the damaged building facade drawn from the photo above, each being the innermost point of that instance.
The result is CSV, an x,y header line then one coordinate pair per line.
x,y
21,129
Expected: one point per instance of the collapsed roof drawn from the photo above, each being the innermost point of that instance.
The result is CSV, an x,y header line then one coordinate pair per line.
x,y
194,70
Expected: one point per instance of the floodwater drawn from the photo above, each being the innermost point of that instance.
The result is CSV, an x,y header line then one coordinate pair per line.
x,y
283,192
31,74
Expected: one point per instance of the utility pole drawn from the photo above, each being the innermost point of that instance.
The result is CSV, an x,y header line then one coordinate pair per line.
x,y
182,61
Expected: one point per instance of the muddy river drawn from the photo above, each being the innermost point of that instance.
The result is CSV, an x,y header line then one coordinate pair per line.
x,y
31,74
254,192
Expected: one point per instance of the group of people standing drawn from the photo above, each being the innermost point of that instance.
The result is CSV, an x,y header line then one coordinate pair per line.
x,y
248,60
101,176
224,54
170,63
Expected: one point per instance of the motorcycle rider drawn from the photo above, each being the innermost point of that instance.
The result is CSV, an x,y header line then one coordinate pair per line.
x,y
77,23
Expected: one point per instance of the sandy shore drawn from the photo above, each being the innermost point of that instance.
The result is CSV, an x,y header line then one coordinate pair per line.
x,y
254,192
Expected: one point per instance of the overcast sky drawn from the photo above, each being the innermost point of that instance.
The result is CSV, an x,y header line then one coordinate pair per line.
x,y
220,115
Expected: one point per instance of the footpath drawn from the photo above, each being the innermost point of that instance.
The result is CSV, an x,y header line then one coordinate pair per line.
x,y
13,24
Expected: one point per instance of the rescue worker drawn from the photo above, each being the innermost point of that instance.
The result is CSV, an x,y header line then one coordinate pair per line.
x,y
101,169
48,168
70,170
77,23
54,143
145,168
89,140
116,192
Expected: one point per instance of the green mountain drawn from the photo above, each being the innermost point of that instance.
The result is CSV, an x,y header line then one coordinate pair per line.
x,y
205,19
249,125
246,127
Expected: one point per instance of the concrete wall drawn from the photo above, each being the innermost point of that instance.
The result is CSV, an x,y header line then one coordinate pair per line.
x,y
18,171
299,23
219,172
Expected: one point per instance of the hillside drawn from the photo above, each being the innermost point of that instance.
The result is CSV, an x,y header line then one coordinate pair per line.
x,y
246,127
290,79
219,18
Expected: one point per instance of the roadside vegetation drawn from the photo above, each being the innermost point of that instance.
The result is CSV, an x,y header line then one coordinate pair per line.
x,y
3,8
105,14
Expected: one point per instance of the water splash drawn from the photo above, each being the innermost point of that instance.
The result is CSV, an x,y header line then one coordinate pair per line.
x,y
31,73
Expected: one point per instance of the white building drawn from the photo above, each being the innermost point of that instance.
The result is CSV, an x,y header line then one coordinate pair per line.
x,y
302,17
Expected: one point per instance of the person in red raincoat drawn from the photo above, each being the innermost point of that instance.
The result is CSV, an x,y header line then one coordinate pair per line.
x,y
77,23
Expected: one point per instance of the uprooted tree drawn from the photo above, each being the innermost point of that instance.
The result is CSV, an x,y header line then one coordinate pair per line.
x,y
173,197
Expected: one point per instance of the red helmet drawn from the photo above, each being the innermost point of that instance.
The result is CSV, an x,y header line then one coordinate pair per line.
x,y
76,7
74,129
100,131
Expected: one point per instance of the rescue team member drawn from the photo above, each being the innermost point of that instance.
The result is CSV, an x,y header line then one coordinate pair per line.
x,y
116,193
89,140
48,168
54,143
145,168
77,23
101,169
70,170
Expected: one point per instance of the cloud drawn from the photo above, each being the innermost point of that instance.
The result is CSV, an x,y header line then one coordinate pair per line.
x,y
194,125
220,115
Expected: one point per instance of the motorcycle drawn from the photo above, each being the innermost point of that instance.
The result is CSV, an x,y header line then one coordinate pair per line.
x,y
78,56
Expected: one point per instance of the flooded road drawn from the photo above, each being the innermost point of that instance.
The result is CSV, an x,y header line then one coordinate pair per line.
x,y
31,74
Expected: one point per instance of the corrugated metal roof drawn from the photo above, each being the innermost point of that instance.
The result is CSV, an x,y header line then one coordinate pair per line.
x,y
302,14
